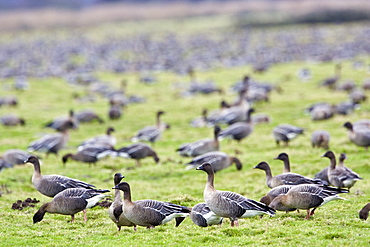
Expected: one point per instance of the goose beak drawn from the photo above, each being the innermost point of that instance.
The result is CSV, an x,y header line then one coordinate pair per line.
x,y
115,187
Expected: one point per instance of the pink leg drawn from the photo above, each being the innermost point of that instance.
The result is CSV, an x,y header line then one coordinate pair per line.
x,y
85,217
72,218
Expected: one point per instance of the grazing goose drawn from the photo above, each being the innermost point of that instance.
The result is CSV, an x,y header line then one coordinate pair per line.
x,y
70,202
202,216
239,130
12,120
229,204
52,143
115,210
151,133
107,140
216,114
340,176
149,213
137,151
357,96
364,213
15,156
89,154
87,116
273,193
201,146
359,136
286,133
307,196
218,160
320,138
201,121
59,123
284,178
50,185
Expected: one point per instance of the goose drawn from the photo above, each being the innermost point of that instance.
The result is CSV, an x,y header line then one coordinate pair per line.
x,y
346,107
137,151
50,185
115,210
52,143
213,116
320,138
15,156
201,121
357,96
218,160
331,81
70,202
151,133
307,196
59,123
202,216
114,112
340,176
12,120
286,133
235,113
364,212
273,193
149,213
201,146
239,130
230,204
323,174
359,136
107,140
89,154
86,116
322,112
5,164
261,118
284,178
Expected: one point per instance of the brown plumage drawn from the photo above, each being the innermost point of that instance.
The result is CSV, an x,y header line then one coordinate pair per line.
x,y
273,193
70,202
86,116
229,204
359,136
115,210
149,213
284,178
218,160
364,213
137,151
340,176
50,185
201,146
320,139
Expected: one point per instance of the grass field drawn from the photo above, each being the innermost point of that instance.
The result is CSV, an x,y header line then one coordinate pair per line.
x,y
336,223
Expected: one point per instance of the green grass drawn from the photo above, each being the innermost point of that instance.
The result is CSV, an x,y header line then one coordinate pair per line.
x,y
334,224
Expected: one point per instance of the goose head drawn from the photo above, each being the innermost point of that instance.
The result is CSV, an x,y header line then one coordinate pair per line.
x,y
207,167
348,126
282,156
117,178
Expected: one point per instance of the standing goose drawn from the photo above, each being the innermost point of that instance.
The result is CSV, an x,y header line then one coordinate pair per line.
x,y
320,138
340,176
359,136
137,151
331,81
151,133
275,192
70,202
149,213
50,185
218,160
52,143
201,146
105,140
229,204
115,210
364,213
323,174
307,196
89,154
284,178
239,130
286,133
213,117
202,216
201,121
